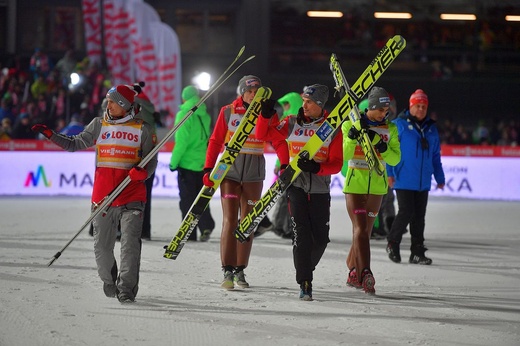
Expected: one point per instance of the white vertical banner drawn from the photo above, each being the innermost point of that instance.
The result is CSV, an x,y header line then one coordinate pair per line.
x,y
92,19
138,47
168,55
117,42
142,16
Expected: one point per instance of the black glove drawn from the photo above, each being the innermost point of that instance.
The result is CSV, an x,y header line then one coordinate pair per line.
x,y
267,108
355,129
310,166
381,146
353,133
377,141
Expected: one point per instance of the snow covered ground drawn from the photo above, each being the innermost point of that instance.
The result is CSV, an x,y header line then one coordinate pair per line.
x,y
469,296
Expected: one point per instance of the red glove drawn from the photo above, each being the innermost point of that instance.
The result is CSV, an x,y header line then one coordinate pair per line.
x,y
206,178
138,174
43,129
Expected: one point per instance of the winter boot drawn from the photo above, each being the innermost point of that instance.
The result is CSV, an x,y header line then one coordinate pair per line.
x,y
306,291
418,257
393,252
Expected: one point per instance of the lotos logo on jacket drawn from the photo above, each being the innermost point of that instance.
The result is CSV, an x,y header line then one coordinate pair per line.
x,y
304,132
120,135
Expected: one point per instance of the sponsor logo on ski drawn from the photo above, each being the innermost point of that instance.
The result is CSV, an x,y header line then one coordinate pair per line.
x,y
324,131
220,172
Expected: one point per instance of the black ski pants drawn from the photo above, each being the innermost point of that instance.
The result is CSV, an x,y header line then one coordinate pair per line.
x,y
311,214
411,211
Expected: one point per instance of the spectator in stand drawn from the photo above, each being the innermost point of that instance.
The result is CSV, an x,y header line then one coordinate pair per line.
x,y
65,66
22,127
39,87
58,104
5,109
74,127
411,178
481,133
5,130
40,64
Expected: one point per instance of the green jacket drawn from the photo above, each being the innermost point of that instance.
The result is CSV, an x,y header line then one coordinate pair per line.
x,y
191,139
360,180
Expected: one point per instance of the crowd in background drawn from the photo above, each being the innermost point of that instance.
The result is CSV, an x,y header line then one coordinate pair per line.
x,y
43,93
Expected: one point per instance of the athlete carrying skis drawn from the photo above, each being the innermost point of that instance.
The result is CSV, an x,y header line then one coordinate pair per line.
x,y
242,185
122,141
309,194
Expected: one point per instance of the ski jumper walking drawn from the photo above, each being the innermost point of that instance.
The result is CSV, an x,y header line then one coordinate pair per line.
x,y
121,141
242,185
309,194
363,188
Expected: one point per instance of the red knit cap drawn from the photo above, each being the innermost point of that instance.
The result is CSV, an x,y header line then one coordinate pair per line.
x,y
123,95
418,97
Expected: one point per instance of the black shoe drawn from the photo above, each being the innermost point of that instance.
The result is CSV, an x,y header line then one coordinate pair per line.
x,y
110,290
416,259
418,256
306,291
393,252
124,298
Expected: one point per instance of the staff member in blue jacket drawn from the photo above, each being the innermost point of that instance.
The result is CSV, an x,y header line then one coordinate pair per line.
x,y
411,178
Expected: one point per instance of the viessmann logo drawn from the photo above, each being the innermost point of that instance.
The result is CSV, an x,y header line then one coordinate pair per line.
x,y
33,179
114,151
120,135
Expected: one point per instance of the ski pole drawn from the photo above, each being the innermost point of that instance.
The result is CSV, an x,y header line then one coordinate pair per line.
x,y
113,195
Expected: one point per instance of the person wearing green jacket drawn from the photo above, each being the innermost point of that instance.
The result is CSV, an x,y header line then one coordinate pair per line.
x,y
189,155
363,188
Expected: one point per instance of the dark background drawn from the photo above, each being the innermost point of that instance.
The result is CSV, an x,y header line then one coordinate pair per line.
x,y
467,76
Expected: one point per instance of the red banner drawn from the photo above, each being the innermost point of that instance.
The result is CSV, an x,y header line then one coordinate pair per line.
x,y
447,150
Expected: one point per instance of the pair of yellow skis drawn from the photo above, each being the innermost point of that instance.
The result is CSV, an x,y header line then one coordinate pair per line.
x,y
344,109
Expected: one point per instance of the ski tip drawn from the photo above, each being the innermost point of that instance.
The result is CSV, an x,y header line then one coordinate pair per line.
x,y
250,58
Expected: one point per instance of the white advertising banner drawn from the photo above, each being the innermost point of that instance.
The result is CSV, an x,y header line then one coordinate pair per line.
x,y
61,173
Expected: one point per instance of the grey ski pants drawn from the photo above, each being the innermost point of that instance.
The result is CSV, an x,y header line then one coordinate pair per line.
x,y
130,218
